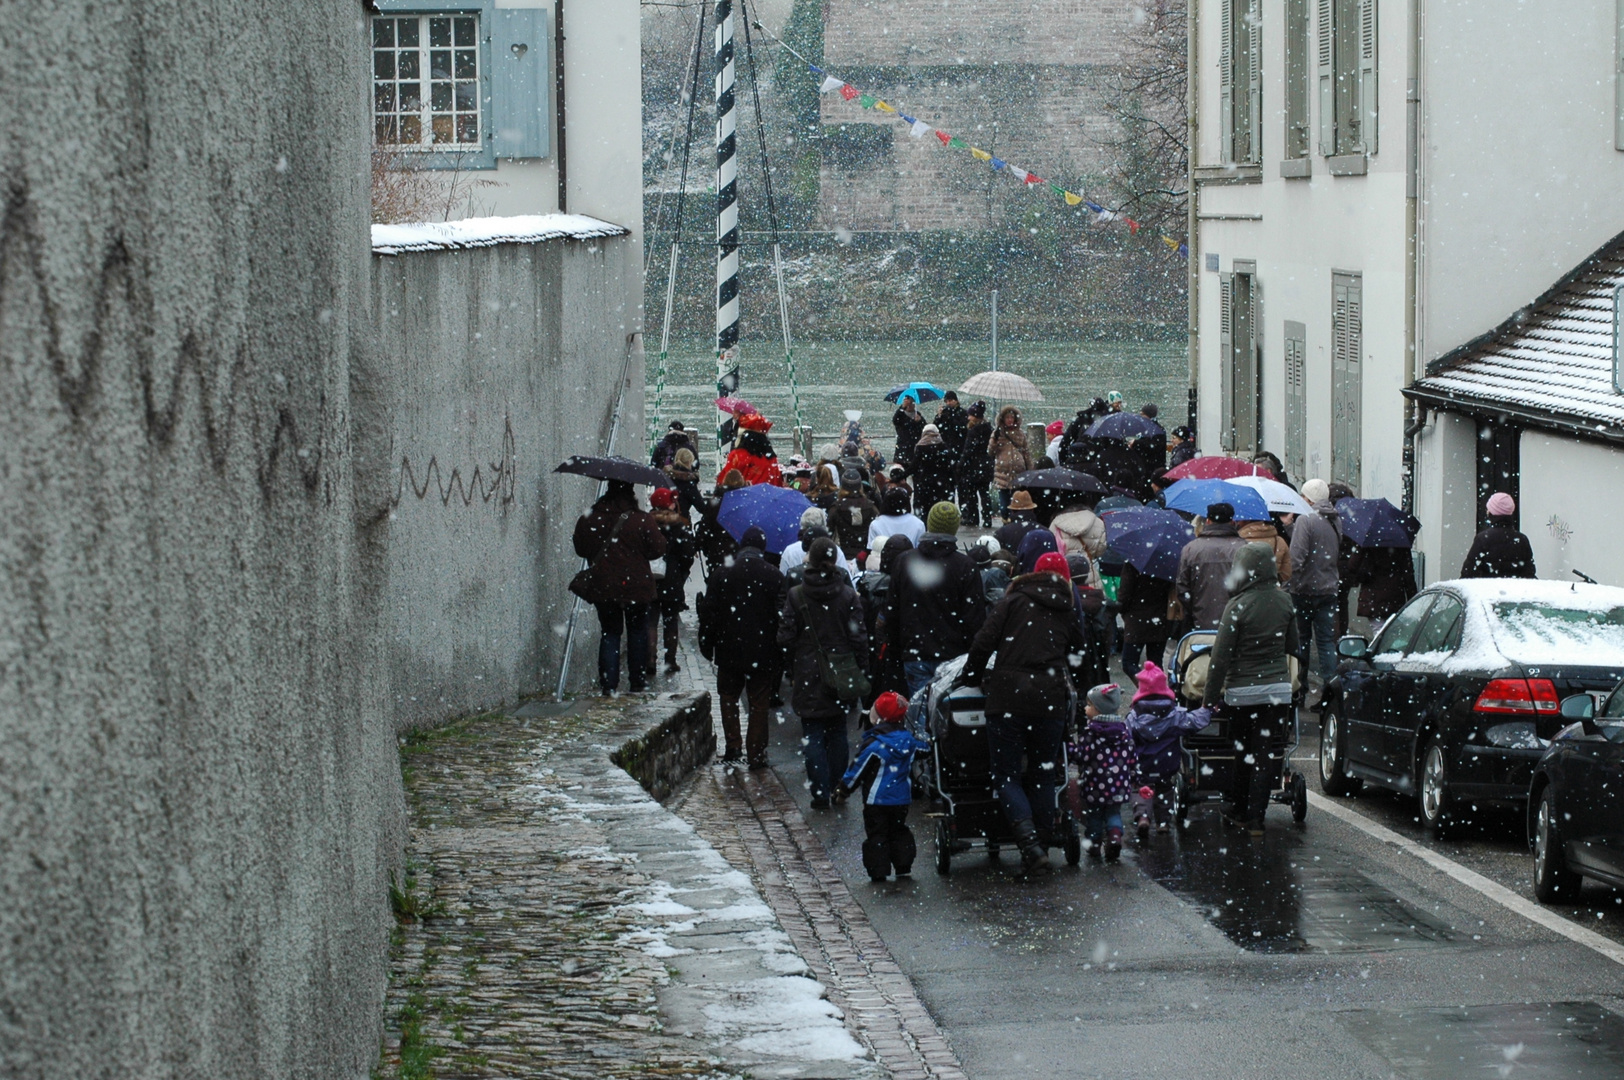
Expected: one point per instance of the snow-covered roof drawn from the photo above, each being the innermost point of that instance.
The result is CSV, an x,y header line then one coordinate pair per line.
x,y
488,231
1550,364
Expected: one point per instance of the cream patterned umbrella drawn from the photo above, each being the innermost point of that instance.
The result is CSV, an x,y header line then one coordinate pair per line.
x,y
1001,384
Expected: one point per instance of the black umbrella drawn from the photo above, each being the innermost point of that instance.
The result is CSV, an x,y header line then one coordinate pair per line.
x,y
614,468
1124,426
1060,480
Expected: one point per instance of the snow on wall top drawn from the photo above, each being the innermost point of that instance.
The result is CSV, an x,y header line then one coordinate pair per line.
x,y
488,231
1553,357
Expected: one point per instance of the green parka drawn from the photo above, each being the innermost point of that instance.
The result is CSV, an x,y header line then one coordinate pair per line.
x,y
1257,633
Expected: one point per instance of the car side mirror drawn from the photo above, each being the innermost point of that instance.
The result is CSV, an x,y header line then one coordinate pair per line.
x,y
1353,647
1581,707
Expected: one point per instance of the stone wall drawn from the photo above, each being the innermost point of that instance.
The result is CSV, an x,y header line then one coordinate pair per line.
x,y
666,740
199,793
499,363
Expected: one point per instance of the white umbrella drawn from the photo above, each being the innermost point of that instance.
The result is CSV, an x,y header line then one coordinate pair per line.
x,y
1279,498
1001,384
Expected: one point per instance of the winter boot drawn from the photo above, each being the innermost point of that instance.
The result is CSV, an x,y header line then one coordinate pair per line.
x,y
1034,859
1142,827
671,665
1113,844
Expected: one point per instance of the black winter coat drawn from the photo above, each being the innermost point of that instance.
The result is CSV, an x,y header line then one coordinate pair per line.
x,y
1386,579
909,428
975,463
1144,608
1499,551
952,421
937,601
741,605
932,474
680,549
1035,631
620,557
833,616
849,520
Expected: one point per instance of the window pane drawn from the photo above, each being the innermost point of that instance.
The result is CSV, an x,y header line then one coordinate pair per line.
x,y
383,33
467,129
383,65
440,31
411,96
442,129
411,130
383,97
1396,637
465,31
440,97
440,64
408,65
408,33
467,97
383,130
466,67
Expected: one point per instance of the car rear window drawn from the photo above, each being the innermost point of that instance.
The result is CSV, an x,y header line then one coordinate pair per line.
x,y
1537,633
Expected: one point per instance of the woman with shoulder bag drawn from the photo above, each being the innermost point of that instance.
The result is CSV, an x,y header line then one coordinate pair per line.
x,y
618,540
822,633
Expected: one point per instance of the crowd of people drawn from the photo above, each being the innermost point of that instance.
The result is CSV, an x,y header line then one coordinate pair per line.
x,y
877,592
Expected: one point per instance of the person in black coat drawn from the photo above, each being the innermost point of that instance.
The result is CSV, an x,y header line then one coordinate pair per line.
x,y
822,615
974,475
671,591
952,421
908,424
932,469
738,620
1500,551
937,600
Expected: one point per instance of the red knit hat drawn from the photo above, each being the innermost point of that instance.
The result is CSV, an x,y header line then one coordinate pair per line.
x,y
890,707
1152,683
1052,562
663,499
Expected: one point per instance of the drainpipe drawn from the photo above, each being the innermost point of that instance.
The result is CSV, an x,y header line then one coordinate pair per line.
x,y
558,94
1191,240
1414,418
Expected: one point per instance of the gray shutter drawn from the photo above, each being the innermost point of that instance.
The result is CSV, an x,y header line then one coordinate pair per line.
x,y
521,119
1618,79
1254,81
1226,80
1296,349
1355,398
1366,103
1297,29
1248,354
1346,344
1226,363
1325,75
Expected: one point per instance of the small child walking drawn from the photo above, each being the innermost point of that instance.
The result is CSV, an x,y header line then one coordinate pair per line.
x,y
881,772
1158,723
1106,765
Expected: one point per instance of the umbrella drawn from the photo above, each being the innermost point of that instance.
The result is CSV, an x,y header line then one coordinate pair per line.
x,y
777,511
734,405
1216,468
1148,538
1376,523
1124,425
921,392
1280,498
614,468
1001,384
1194,496
1060,480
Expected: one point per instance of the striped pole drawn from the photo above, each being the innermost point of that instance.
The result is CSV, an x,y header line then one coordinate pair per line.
x,y
727,203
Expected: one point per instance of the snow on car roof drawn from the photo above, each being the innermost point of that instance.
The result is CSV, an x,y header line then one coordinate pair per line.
x,y
1491,639
1568,594
488,231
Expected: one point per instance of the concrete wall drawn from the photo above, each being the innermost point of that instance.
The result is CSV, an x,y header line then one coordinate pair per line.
x,y
199,794
1446,493
499,363
1567,511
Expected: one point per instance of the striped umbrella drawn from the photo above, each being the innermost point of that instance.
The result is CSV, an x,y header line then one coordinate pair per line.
x,y
1004,385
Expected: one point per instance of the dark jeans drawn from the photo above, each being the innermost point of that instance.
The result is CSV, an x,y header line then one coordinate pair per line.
x,y
758,689
1004,495
919,673
1259,732
888,842
1316,618
975,503
1133,654
632,621
1026,794
1101,821
826,750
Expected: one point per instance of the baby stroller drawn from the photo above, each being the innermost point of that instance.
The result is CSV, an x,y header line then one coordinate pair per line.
x,y
957,776
1209,754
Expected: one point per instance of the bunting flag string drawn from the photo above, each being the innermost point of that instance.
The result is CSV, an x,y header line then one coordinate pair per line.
x,y
919,129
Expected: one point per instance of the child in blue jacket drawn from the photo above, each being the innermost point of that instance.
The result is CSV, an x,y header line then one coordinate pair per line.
x,y
1158,723
884,760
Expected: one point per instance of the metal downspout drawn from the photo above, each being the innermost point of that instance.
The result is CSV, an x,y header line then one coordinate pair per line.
x,y
1414,419
1192,237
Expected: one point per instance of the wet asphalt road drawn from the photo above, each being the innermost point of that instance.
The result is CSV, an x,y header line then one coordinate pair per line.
x,y
1314,951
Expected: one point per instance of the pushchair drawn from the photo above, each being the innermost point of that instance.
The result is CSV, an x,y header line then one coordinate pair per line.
x,y
956,777
1210,754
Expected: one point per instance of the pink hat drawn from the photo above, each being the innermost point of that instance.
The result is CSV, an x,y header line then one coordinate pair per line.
x,y
1501,505
1152,683
1052,562
1056,427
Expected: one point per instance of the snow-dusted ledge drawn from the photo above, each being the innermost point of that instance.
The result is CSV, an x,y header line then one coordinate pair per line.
x,y
488,231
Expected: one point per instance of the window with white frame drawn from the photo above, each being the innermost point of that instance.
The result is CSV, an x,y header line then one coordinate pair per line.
x,y
426,82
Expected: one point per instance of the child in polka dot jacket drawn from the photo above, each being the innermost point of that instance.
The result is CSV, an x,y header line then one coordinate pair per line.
x,y
1106,767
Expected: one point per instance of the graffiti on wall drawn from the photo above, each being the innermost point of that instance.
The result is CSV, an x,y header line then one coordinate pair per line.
x,y
489,482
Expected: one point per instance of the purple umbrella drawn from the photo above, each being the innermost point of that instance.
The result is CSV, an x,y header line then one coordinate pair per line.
x,y
1124,425
1376,523
1149,539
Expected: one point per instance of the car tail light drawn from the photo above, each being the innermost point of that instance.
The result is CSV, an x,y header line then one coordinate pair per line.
x,y
1518,697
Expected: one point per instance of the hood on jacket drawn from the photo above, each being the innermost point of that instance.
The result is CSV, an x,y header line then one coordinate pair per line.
x,y
1218,528
1253,567
1034,544
824,582
1325,510
1050,590
1086,526
937,546
895,545
1260,531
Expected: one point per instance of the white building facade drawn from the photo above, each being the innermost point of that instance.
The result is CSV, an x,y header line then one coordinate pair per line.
x,y
1375,184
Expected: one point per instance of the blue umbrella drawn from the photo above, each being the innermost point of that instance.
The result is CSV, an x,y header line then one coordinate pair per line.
x,y
1149,539
777,511
1194,496
1376,523
921,392
1124,425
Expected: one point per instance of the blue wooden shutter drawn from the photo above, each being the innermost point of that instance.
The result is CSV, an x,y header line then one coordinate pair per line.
x,y
520,109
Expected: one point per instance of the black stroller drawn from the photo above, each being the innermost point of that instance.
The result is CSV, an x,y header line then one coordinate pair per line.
x,y
1209,754
957,775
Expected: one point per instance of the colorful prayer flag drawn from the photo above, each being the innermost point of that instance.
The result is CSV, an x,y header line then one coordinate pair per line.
x,y
981,155
1033,178
830,83
848,91
866,101
1170,242
999,163
1018,172
958,143
917,128
1133,227
947,140
883,107
1072,199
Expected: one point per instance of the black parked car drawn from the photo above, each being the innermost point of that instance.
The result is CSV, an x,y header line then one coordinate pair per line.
x,y
1461,692
1576,801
